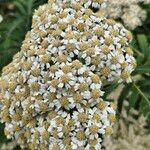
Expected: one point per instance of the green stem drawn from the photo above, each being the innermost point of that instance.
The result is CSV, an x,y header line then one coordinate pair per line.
x,y
141,93
136,51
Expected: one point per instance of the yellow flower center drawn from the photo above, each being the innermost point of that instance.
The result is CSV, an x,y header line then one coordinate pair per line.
x,y
77,97
80,135
35,86
112,117
114,60
95,93
125,75
97,117
108,40
82,117
45,135
65,78
83,86
101,105
64,102
99,32
105,71
36,72
109,130
94,129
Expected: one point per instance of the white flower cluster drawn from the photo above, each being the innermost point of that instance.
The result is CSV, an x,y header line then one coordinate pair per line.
x,y
129,11
51,91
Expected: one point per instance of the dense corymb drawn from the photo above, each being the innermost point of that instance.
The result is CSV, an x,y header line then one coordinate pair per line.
x,y
129,12
51,92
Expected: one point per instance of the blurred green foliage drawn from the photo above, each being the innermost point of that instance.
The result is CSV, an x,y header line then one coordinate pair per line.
x,y
16,22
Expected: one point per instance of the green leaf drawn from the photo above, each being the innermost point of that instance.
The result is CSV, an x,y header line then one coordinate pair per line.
x,y
145,109
144,83
143,44
143,95
143,69
123,95
30,5
133,97
20,7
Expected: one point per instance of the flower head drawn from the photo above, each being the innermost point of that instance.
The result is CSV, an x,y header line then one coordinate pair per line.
x,y
51,91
